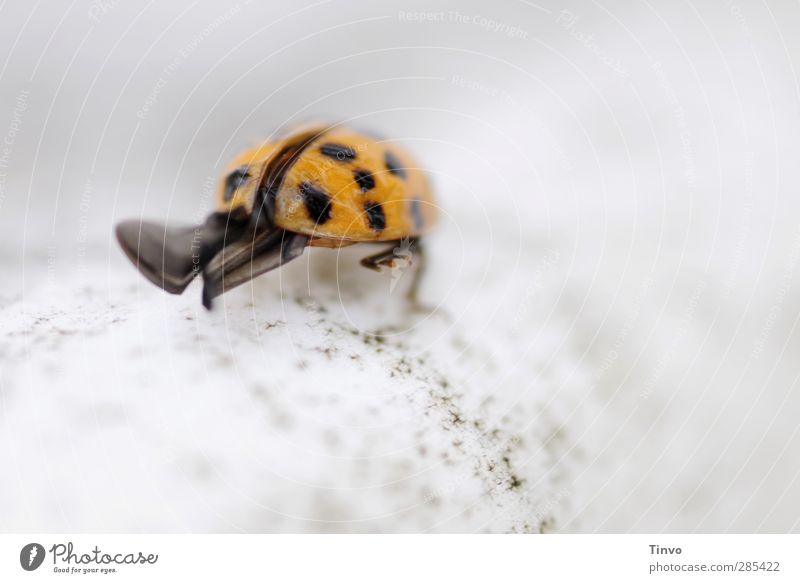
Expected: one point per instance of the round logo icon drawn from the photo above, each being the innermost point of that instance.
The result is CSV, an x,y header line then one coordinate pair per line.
x,y
31,556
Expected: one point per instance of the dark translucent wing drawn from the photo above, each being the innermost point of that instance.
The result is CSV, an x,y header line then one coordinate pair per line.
x,y
163,254
249,257
170,256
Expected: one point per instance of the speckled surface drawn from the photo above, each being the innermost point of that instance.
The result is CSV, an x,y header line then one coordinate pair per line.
x,y
340,409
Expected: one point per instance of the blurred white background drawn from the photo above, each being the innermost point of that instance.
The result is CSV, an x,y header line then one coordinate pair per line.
x,y
616,268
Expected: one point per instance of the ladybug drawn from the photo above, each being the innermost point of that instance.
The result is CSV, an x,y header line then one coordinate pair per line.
x,y
318,185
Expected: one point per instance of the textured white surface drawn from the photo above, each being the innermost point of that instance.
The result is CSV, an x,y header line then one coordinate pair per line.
x,y
613,345
128,409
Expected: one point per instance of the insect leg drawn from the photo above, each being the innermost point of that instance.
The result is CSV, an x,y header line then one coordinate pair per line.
x,y
409,250
385,258
419,251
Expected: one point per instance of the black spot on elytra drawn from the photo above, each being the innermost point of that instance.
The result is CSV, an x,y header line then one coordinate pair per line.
x,y
416,214
318,203
234,180
375,215
364,179
338,151
394,165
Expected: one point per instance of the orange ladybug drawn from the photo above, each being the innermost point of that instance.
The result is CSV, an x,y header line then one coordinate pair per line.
x,y
319,186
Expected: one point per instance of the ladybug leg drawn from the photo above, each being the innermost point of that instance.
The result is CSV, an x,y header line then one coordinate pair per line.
x,y
385,258
398,258
419,251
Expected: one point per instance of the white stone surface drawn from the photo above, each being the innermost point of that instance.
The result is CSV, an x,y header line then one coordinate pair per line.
x,y
340,410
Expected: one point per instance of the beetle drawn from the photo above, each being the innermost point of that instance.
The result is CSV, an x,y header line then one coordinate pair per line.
x,y
317,185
